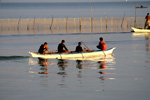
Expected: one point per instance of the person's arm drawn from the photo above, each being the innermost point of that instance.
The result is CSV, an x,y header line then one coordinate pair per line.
x,y
65,47
46,48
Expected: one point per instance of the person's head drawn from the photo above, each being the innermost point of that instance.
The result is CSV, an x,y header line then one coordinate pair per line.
x,y
101,39
147,13
79,43
45,43
63,41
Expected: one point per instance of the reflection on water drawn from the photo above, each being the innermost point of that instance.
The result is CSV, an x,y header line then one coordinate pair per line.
x,y
79,64
44,66
64,69
103,66
62,64
146,36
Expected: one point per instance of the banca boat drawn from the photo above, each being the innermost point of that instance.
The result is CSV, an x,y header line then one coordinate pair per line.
x,y
140,30
94,53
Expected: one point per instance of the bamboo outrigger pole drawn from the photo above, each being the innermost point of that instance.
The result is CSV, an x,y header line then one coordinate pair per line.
x,y
85,45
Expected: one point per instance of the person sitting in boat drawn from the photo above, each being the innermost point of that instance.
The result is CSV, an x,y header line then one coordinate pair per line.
x,y
102,45
43,48
79,48
62,47
147,21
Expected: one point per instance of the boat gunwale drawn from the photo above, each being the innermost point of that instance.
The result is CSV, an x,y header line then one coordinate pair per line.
x,y
140,30
95,51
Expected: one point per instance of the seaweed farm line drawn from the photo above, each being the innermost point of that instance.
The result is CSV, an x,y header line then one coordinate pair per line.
x,y
69,25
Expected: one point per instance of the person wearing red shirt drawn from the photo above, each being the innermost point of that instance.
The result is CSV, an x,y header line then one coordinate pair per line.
x,y
102,45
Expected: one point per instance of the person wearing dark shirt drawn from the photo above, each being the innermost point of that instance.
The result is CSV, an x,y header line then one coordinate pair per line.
x,y
147,21
43,48
62,47
79,48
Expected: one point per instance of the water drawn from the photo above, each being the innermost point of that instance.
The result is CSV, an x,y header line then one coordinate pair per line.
x,y
124,76
72,10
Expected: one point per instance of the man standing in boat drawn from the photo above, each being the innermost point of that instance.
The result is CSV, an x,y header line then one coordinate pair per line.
x,y
147,21
43,48
62,47
102,45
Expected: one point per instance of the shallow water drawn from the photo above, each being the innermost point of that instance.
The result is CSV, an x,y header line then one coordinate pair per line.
x,y
124,76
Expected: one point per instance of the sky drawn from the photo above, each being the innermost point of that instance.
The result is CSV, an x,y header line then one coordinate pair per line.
x,y
66,0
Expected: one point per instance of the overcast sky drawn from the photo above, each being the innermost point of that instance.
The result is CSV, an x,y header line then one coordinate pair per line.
x,y
66,0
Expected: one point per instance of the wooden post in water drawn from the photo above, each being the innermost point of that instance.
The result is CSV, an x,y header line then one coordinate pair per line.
x,y
111,21
112,24
91,25
38,24
117,21
91,18
21,25
28,24
80,24
51,23
59,23
84,22
2,24
122,20
55,23
66,23
18,23
135,15
75,23
127,22
101,23
14,25
140,21
106,22
33,23
44,24
8,24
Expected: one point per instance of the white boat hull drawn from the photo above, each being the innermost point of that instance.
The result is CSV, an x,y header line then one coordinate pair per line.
x,y
138,30
73,55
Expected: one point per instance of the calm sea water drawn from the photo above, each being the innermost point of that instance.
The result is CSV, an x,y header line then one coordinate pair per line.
x,y
73,10
124,76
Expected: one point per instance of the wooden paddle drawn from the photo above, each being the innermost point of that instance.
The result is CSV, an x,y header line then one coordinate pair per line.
x,y
92,50
104,53
85,45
